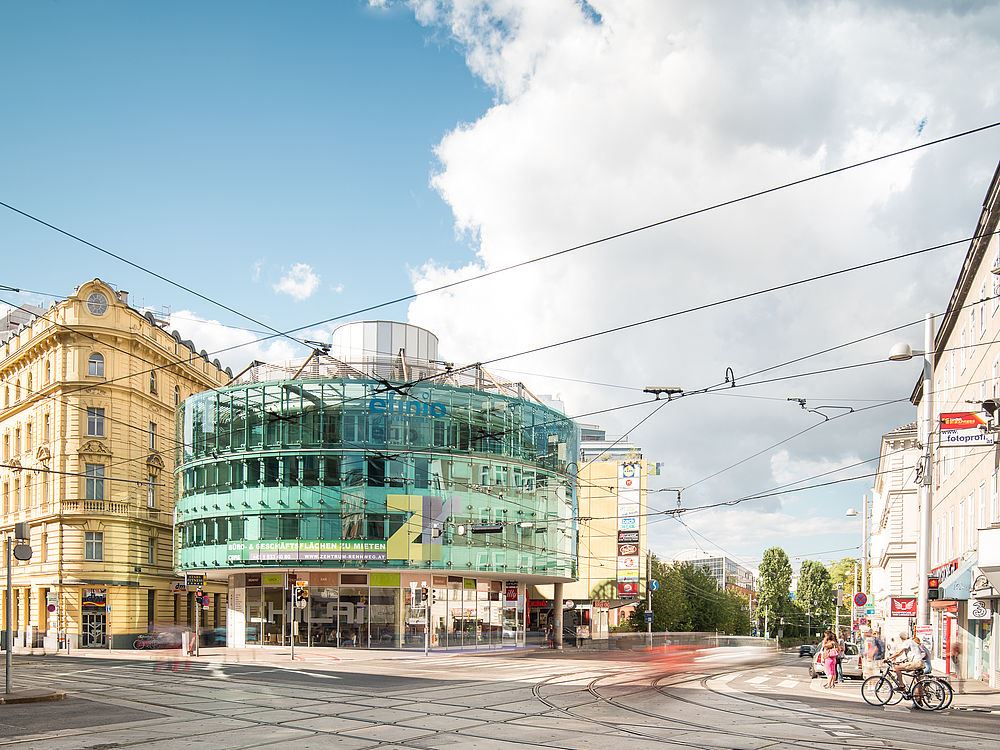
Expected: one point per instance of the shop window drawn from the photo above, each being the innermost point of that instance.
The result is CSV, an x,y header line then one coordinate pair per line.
x,y
290,471
310,471
331,472
288,526
253,472
150,608
376,472
271,474
95,365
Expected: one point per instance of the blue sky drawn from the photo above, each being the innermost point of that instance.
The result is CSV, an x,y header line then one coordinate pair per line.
x,y
202,138
298,161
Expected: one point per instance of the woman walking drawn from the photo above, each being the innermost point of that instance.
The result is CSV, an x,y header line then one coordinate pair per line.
x,y
831,650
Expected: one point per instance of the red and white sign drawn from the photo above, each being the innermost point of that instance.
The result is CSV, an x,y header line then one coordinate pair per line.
x,y
628,589
902,606
963,428
961,420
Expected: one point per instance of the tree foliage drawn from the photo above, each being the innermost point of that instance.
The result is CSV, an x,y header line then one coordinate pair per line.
x,y
842,573
815,592
689,599
774,583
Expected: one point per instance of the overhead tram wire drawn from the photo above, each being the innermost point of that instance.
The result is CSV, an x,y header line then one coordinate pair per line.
x,y
155,274
738,298
521,264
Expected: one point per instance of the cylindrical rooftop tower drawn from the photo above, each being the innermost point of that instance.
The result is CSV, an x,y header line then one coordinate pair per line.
x,y
383,339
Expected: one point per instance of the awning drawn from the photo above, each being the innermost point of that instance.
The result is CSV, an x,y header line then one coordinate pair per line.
x,y
958,585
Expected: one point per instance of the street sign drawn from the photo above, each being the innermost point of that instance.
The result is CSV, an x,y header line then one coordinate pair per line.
x,y
654,585
860,599
193,579
50,607
869,610
22,552
649,616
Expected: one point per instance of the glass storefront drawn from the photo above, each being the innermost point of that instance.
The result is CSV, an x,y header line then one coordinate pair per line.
x,y
371,488
346,611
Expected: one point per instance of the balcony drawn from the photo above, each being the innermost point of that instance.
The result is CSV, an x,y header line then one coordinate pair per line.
x,y
114,508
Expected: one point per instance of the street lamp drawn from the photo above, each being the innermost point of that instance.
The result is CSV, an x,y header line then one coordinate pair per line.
x,y
901,353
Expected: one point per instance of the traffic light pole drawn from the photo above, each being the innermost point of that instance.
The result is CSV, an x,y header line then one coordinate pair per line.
x,y
291,619
925,436
9,615
197,626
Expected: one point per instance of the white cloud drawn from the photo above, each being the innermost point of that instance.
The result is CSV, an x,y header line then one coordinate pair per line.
x,y
234,347
339,288
299,282
664,107
785,469
255,270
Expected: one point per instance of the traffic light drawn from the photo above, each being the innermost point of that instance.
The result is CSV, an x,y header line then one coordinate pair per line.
x,y
933,587
423,594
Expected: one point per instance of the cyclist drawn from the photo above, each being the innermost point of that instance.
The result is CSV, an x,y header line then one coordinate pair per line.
x,y
913,661
925,654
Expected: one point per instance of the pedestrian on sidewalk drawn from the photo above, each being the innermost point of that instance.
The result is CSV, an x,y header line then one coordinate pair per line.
x,y
956,666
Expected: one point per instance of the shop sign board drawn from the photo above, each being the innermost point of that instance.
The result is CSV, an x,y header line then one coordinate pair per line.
x,y
95,599
628,550
979,610
628,589
628,563
192,579
903,606
628,537
628,575
628,523
963,428
926,633
510,591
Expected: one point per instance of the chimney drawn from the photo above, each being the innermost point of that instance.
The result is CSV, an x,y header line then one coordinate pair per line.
x,y
123,297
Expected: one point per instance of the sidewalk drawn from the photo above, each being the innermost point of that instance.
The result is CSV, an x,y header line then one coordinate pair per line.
x,y
276,655
977,696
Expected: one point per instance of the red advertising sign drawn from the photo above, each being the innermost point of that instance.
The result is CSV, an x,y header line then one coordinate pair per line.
x,y
961,420
628,589
510,591
902,606
628,550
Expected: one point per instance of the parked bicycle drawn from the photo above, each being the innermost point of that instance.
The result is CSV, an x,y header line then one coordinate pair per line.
x,y
928,693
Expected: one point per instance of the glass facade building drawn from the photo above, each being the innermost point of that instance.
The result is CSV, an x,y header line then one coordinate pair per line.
x,y
368,478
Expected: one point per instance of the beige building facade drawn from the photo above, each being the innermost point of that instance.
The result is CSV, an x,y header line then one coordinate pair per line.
x,y
88,391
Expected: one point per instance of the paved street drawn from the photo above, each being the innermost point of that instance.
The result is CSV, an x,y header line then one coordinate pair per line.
x,y
474,701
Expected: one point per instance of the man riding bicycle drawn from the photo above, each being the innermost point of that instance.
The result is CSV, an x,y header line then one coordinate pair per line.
x,y
914,658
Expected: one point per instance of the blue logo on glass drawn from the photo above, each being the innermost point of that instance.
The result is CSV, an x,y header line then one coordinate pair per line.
x,y
409,406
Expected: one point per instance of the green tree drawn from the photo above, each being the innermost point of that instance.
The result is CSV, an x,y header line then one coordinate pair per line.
x,y
814,594
775,580
842,573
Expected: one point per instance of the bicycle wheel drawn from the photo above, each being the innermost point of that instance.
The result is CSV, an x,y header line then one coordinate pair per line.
x,y
949,692
929,694
869,690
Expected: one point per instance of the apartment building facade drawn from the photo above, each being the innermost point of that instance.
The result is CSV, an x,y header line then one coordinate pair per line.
x,y
965,501
88,390
894,525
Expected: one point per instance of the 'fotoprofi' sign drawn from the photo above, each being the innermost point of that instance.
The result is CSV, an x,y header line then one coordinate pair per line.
x,y
963,428
408,406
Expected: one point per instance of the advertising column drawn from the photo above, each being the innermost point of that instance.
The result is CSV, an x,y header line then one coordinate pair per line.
x,y
629,520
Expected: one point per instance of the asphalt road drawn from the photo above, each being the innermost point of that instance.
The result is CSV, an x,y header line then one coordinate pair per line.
x,y
461,701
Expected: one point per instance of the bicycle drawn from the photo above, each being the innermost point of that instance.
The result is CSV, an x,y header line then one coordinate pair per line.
x,y
927,693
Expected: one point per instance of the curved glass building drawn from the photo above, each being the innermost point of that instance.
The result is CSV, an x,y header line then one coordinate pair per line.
x,y
364,475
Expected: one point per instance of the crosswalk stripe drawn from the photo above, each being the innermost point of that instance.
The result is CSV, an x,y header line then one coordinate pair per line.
x,y
788,683
758,680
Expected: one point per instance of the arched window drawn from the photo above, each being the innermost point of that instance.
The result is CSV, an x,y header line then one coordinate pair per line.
x,y
17,390
30,383
177,395
95,365
48,372
152,381
6,396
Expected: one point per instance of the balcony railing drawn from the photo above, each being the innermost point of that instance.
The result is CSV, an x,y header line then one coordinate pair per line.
x,y
113,508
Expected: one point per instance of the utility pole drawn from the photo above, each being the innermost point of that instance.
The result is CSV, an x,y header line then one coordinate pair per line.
x,y
864,545
925,435
9,615
649,598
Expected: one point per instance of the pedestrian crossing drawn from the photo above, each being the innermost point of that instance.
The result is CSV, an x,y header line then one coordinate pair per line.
x,y
776,682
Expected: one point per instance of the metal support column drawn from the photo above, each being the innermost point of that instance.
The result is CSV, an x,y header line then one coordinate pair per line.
x,y
557,613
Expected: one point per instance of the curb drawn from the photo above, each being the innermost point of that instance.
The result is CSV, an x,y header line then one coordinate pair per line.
x,y
33,697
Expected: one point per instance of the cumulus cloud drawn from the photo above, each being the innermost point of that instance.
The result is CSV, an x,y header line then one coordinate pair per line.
x,y
638,111
234,347
786,469
299,282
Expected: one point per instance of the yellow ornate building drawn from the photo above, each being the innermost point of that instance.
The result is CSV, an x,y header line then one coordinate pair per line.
x,y
89,389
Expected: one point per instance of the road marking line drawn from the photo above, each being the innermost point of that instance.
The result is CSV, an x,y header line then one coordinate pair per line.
x,y
758,680
788,683
728,677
